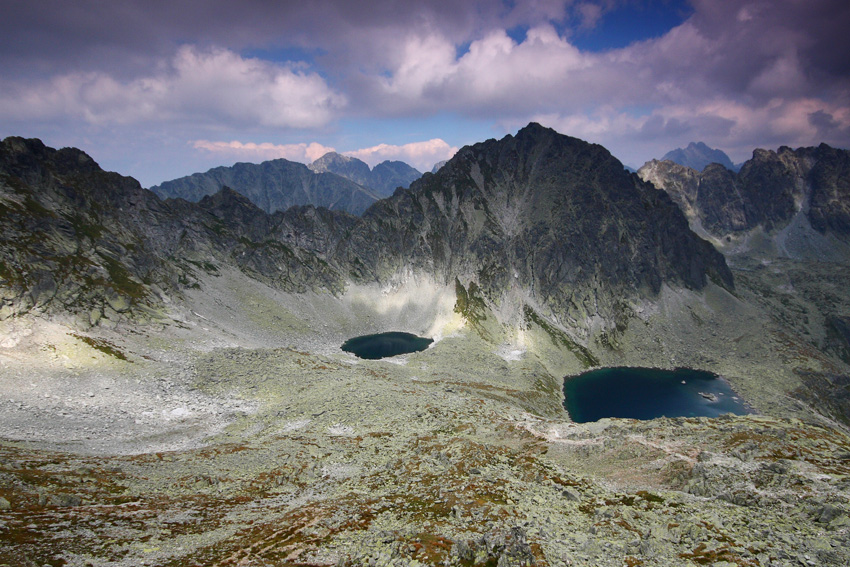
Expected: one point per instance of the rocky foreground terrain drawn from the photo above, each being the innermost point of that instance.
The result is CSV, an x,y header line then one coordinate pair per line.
x,y
172,390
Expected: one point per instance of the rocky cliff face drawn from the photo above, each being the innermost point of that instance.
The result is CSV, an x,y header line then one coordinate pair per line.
x,y
710,198
770,191
383,179
273,186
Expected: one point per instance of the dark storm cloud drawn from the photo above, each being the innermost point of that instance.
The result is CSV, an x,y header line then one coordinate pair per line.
x,y
765,48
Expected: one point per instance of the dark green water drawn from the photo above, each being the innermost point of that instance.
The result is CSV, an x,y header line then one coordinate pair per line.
x,y
384,345
647,393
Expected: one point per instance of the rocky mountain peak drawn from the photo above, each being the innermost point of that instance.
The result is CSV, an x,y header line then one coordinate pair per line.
x,y
698,155
229,200
552,215
22,154
383,179
351,168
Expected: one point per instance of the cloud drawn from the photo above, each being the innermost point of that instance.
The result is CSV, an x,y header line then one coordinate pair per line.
x,y
750,52
84,35
732,126
495,73
421,155
589,14
212,87
304,153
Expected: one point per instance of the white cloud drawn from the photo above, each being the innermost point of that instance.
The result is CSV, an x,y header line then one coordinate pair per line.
x,y
198,87
495,72
421,155
304,153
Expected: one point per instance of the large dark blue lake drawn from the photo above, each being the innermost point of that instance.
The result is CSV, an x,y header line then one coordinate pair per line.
x,y
384,345
647,393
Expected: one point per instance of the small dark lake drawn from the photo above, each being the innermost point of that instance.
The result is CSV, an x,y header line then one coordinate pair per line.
x,y
647,393
384,345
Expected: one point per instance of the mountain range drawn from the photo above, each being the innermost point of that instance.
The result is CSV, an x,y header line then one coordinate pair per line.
x,y
273,185
534,229
383,179
537,218
333,181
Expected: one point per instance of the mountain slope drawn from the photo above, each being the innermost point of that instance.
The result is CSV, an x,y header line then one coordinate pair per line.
x,y
388,176
697,156
210,412
536,239
273,185
78,240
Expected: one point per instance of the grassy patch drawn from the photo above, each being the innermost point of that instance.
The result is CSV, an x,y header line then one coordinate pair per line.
x,y
103,346
35,208
84,228
208,267
122,279
701,555
7,274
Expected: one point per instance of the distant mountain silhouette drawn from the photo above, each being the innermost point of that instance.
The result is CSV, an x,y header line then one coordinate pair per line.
x,y
697,156
438,165
273,186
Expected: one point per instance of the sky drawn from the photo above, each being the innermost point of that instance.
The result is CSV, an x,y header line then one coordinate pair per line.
x,y
158,89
